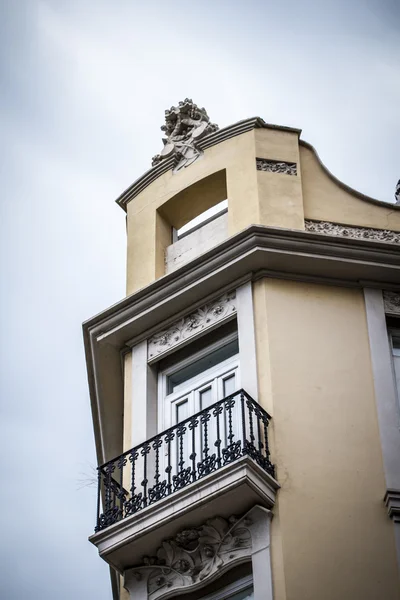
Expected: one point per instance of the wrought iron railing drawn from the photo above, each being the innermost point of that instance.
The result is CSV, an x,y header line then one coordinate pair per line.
x,y
214,437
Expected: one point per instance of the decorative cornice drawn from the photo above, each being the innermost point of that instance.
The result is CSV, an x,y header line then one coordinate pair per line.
x,y
191,325
276,166
391,301
392,502
196,555
349,231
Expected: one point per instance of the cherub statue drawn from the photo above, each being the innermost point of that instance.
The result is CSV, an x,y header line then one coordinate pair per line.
x,y
184,125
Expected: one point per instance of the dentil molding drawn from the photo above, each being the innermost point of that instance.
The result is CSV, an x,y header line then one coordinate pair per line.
x,y
202,318
361,233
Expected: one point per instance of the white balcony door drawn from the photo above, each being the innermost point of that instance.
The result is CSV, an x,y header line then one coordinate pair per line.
x,y
188,388
200,392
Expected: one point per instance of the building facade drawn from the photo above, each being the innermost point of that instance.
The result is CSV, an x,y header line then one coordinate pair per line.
x,y
245,393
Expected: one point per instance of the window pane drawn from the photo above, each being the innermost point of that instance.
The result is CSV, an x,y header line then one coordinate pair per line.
x,y
206,398
182,411
244,595
229,385
202,364
396,345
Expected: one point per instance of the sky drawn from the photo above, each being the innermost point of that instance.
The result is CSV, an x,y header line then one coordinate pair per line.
x,y
83,89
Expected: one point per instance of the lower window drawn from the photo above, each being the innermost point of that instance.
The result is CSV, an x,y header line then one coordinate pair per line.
x,y
238,590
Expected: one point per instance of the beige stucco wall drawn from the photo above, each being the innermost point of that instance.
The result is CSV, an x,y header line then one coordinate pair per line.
x,y
280,195
254,197
145,259
332,538
228,169
326,200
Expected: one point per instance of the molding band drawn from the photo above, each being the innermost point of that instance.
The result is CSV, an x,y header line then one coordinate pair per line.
x,y
276,166
188,327
349,231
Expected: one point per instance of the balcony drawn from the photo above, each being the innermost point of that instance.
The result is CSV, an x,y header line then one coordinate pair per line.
x,y
216,462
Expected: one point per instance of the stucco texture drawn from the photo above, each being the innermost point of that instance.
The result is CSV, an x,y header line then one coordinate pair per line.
x,y
156,209
333,538
228,170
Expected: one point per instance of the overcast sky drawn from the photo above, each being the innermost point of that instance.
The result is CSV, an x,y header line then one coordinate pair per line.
x,y
84,85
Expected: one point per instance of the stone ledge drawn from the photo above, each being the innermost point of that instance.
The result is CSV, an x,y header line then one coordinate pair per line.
x,y
392,503
233,489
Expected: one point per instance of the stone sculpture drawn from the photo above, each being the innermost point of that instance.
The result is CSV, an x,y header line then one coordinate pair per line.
x,y
185,124
397,192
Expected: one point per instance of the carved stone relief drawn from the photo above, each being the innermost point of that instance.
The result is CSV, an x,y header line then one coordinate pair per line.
x,y
195,556
185,124
276,166
361,233
391,301
189,326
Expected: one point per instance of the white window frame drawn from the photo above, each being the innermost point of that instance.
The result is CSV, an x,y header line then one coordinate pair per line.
x,y
199,381
393,332
233,588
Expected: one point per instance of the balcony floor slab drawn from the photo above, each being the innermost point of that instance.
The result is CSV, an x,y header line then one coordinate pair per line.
x,y
231,490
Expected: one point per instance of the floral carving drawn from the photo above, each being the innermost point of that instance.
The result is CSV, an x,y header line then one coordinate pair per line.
x,y
191,325
195,554
392,302
361,233
276,166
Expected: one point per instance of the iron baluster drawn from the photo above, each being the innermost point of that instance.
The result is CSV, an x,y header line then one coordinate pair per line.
x,y
183,476
252,436
243,422
269,467
121,492
108,499
168,439
216,412
208,462
260,443
192,426
135,501
97,528
233,449
144,452
159,490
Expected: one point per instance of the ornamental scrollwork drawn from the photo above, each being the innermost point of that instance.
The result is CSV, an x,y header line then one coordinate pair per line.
x,y
360,233
391,302
185,124
194,555
189,326
276,166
